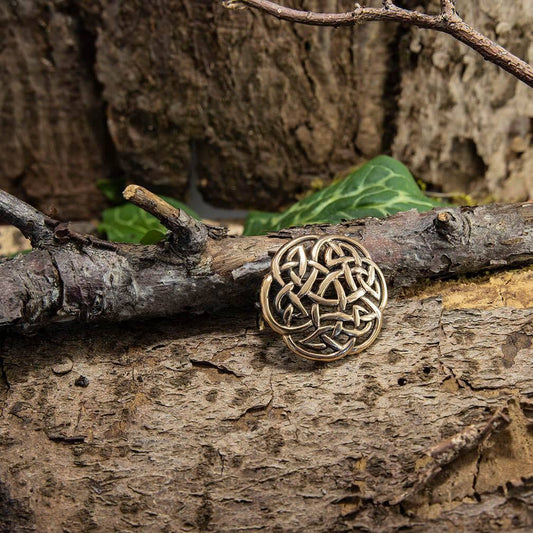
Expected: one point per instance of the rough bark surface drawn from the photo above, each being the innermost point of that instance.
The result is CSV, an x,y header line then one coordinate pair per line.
x,y
54,145
474,131
196,425
260,109
82,279
257,107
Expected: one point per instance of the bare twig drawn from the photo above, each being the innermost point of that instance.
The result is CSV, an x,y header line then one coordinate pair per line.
x,y
33,224
447,21
191,235
445,452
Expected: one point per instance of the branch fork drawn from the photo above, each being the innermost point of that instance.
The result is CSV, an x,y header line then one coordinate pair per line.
x,y
189,234
446,21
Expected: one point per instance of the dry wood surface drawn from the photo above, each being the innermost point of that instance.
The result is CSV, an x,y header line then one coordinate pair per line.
x,y
204,422
208,424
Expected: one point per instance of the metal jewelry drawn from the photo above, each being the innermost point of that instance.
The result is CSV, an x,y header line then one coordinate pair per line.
x,y
325,296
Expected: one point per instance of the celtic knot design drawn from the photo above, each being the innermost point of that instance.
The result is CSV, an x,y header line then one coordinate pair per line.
x,y
325,296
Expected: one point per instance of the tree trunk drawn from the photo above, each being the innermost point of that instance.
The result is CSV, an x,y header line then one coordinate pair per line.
x,y
474,131
259,110
55,144
196,424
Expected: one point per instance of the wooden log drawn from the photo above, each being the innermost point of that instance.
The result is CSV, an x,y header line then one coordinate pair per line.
x,y
208,424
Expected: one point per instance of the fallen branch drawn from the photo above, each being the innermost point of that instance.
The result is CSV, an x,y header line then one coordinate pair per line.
x,y
186,233
447,21
190,233
32,223
72,277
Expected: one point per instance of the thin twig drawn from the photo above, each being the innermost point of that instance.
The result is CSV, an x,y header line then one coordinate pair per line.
x,y
443,453
191,234
447,21
32,223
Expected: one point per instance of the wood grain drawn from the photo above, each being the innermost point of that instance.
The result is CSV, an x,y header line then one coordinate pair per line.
x,y
196,425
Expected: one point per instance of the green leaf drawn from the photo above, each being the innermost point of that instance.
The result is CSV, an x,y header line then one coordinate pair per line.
x,y
129,223
379,188
180,205
260,222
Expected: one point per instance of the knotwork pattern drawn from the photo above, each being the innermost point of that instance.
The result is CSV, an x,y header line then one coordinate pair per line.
x,y
325,296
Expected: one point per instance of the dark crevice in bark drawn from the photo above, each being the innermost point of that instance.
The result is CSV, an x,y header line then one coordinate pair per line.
x,y
192,173
253,410
3,374
60,285
62,439
476,475
392,88
219,368
398,47
88,57
15,515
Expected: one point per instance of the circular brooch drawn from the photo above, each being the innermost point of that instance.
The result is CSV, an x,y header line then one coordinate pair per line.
x,y
325,296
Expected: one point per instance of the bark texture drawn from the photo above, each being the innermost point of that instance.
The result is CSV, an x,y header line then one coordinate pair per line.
x,y
80,278
259,109
474,131
210,425
54,145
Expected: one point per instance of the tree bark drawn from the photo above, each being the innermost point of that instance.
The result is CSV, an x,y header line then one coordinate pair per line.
x,y
257,132
211,425
157,92
473,132
79,278
55,143
154,91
